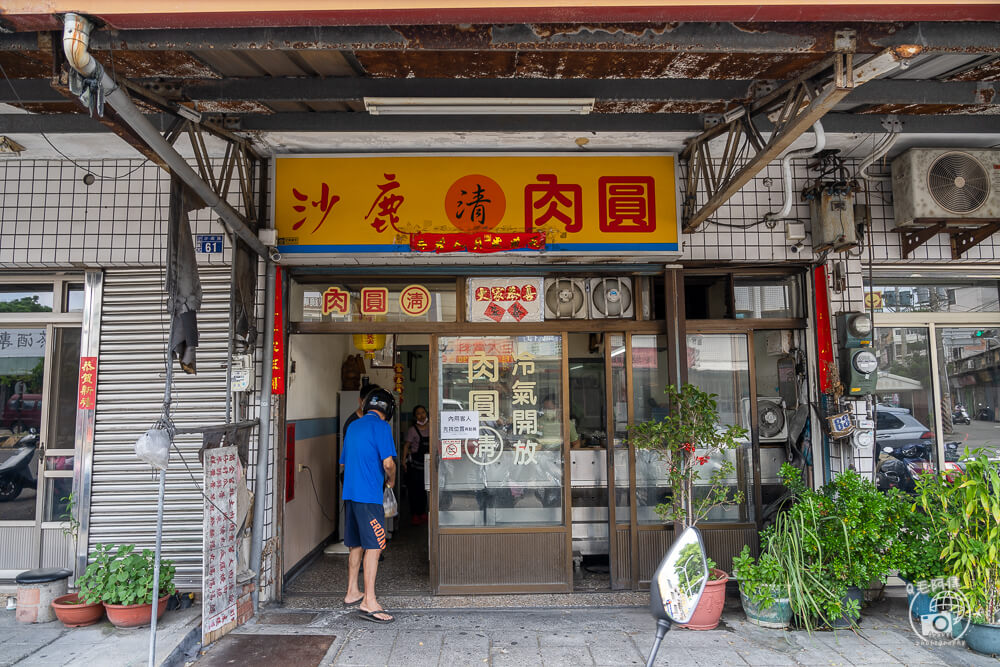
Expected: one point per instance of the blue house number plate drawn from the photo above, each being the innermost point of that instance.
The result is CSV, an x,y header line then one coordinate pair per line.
x,y
209,243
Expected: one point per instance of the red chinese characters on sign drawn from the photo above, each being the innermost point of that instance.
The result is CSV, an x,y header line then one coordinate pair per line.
x,y
374,300
323,205
476,242
336,301
415,300
87,392
626,204
388,205
278,347
550,201
507,293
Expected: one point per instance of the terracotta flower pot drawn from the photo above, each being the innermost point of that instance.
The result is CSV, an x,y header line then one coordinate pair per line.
x,y
709,609
75,613
134,615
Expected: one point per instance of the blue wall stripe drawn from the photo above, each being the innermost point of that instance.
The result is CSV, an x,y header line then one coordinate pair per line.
x,y
314,428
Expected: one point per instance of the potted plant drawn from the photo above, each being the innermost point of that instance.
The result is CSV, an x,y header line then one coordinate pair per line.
x,y
687,440
123,581
966,510
763,589
73,609
920,561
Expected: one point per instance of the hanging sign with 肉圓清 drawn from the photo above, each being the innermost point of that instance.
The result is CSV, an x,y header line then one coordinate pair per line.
x,y
476,204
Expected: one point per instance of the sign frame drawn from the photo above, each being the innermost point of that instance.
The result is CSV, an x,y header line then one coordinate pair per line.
x,y
322,254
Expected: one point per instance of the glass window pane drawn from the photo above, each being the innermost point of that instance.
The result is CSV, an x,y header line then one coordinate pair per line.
x,y
649,378
937,294
74,298
25,298
619,403
768,297
22,367
719,364
707,297
65,384
57,500
904,420
513,473
970,389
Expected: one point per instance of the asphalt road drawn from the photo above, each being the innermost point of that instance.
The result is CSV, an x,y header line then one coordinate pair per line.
x,y
977,434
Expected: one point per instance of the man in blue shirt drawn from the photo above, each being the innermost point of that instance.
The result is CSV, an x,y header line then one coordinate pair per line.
x,y
367,461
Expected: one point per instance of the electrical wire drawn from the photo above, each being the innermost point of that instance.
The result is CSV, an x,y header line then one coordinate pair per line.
x,y
316,494
64,156
195,482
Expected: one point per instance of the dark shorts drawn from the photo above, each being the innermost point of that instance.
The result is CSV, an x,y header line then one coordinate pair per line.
x,y
363,525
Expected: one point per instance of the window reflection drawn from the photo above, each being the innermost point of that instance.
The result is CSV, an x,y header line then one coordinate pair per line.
x,y
969,360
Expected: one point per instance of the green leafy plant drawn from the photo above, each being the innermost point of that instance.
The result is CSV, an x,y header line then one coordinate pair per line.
x,y
124,577
965,511
687,439
72,527
762,580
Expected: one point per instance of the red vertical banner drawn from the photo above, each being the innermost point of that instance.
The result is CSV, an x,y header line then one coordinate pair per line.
x,y
278,347
87,391
289,463
824,333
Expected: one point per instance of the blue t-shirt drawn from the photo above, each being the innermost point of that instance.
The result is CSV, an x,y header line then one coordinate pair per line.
x,y
366,444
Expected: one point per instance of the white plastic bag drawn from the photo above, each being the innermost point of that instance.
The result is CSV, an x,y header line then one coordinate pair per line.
x,y
389,503
153,447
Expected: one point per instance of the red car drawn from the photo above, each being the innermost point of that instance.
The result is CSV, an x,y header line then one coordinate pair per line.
x,y
21,412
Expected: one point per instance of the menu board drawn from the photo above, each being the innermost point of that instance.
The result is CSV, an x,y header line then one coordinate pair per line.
x,y
219,589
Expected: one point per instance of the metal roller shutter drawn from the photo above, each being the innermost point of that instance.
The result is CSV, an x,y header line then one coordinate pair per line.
x,y
131,372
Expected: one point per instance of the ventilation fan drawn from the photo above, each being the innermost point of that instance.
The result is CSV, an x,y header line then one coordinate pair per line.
x,y
771,423
958,183
565,299
611,297
932,185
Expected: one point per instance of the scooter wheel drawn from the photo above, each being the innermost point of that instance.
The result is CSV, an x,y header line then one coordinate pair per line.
x,y
10,487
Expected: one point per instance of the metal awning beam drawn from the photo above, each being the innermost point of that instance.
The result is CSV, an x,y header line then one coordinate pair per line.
x,y
66,123
353,89
793,109
687,37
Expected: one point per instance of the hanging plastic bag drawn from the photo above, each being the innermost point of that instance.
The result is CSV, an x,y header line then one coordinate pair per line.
x,y
153,447
389,503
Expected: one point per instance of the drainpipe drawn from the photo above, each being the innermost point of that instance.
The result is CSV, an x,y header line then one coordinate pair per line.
x,y
76,40
786,172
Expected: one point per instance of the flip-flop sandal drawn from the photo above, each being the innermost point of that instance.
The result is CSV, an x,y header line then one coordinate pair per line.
x,y
371,616
353,604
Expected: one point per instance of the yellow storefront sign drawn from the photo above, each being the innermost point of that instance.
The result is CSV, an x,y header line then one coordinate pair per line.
x,y
592,204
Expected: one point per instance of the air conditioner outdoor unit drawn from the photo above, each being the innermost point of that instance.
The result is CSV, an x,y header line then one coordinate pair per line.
x,y
945,184
565,299
611,298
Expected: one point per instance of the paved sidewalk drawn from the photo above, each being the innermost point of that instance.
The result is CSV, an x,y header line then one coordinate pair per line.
x,y
609,636
101,645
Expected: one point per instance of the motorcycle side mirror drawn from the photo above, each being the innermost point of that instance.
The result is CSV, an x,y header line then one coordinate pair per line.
x,y
677,585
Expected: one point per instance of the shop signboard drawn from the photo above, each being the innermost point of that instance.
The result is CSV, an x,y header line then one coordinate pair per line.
x,y
278,344
505,299
222,472
476,204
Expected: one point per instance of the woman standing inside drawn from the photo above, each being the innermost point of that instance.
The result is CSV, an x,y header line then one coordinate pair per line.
x,y
418,440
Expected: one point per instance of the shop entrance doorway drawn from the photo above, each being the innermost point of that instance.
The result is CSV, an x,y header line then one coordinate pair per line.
x,y
324,387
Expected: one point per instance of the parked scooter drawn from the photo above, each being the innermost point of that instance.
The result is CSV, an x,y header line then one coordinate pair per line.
x,y
677,585
899,467
960,415
984,413
17,470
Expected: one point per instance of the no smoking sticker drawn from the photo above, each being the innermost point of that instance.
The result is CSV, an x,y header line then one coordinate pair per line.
x,y
451,450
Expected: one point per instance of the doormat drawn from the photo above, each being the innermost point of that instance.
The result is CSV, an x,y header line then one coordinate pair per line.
x,y
267,650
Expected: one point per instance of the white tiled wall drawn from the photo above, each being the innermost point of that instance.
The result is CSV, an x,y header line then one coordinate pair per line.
x,y
50,218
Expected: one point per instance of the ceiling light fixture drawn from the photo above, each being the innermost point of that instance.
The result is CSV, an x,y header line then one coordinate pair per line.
x,y
477,106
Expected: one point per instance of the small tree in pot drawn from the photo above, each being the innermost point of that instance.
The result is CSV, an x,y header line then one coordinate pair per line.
x,y
691,440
